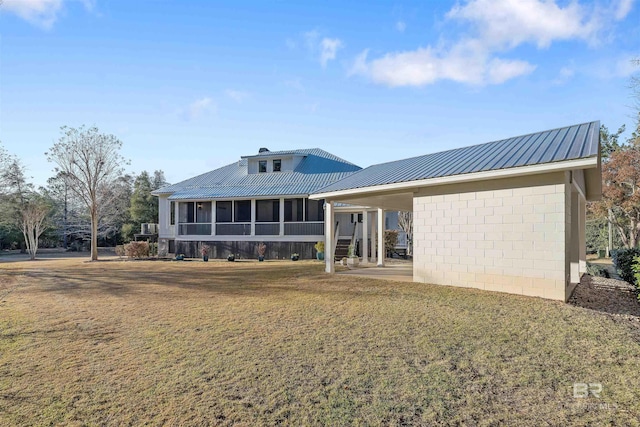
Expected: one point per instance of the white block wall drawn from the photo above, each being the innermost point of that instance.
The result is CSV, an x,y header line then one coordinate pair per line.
x,y
494,238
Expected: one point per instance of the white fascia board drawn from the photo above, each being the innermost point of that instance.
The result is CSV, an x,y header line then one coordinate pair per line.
x,y
228,199
587,163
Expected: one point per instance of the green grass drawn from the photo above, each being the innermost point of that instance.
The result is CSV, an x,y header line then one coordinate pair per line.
x,y
247,343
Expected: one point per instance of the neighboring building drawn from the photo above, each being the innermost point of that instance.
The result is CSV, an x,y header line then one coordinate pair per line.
x,y
260,198
502,216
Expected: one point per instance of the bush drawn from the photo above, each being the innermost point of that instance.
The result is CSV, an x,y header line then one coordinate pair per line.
x,y
390,240
597,270
120,250
137,249
636,274
624,259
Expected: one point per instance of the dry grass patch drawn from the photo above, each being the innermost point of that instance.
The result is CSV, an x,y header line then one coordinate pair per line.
x,y
192,343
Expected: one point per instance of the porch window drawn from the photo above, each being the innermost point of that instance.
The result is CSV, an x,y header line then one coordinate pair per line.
x,y
223,212
203,212
315,210
172,214
277,165
186,213
293,210
242,211
268,210
262,166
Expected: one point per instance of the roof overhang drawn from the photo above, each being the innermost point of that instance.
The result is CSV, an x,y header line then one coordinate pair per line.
x,y
590,165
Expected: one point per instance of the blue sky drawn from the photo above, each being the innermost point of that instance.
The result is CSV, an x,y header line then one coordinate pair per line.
x,y
191,86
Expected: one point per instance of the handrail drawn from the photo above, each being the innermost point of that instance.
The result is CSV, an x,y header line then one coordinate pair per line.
x,y
353,237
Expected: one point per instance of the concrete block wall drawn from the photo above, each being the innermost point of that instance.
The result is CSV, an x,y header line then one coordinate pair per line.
x,y
506,236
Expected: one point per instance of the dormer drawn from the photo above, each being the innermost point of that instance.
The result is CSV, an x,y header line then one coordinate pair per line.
x,y
273,161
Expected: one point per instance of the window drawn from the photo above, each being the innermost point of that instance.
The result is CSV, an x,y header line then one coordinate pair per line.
x,y
186,214
315,210
293,210
268,210
223,212
277,165
203,212
172,214
262,166
242,211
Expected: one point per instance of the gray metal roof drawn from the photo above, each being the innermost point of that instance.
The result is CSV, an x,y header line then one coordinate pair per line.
x,y
317,170
568,143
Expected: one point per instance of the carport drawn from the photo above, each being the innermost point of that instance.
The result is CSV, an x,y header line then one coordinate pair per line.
x,y
506,216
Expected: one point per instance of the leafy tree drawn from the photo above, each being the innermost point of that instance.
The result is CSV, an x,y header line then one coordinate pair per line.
x,y
91,162
609,141
144,206
621,190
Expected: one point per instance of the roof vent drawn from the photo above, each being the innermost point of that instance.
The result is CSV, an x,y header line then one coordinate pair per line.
x,y
263,150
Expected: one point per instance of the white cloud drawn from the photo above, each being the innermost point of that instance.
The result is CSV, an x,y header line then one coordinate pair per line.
x,y
565,74
509,23
41,13
623,8
325,48
401,26
329,47
237,95
494,27
198,108
467,62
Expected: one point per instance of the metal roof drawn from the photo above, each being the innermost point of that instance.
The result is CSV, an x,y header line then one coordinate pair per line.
x,y
316,170
567,143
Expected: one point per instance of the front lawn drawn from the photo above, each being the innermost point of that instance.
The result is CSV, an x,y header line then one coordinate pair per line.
x,y
193,343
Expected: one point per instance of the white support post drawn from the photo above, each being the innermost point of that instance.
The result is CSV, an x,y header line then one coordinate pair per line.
x,y
213,217
282,216
329,221
176,225
582,233
365,237
253,217
381,253
574,241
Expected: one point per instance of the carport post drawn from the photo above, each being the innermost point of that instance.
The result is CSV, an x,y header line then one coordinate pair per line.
x,y
329,220
381,237
365,237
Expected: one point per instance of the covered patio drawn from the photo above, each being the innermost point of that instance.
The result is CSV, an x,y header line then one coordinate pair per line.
x,y
504,216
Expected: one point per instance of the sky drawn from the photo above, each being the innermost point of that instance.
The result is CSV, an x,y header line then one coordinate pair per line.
x,y
189,86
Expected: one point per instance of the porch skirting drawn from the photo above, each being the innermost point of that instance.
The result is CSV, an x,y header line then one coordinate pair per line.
x,y
246,249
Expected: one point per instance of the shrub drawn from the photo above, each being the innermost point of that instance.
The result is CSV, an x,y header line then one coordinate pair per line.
x,y
262,249
636,274
624,260
137,249
597,270
319,246
390,240
120,250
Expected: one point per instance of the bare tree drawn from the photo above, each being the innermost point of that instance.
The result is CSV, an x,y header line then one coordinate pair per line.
x,y
91,161
405,221
32,217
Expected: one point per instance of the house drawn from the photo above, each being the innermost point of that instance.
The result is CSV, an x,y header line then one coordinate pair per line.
x,y
503,216
260,198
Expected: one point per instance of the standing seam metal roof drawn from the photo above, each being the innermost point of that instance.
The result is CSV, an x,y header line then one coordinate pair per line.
x,y
568,143
318,169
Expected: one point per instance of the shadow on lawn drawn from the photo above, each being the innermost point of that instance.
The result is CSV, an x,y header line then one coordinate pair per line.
x,y
250,280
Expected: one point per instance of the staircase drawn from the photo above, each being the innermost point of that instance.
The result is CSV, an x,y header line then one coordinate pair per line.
x,y
342,249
